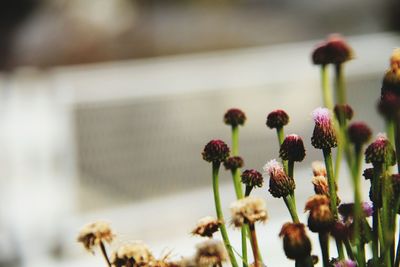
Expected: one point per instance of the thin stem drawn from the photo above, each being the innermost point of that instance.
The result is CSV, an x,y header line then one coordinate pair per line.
x,y
104,252
217,200
292,209
248,191
281,137
349,250
244,247
340,250
235,140
304,262
340,84
326,90
236,183
324,243
375,220
291,169
254,245
331,181
391,130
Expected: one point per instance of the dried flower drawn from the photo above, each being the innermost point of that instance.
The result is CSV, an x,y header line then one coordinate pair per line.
x,y
344,109
210,253
347,210
324,136
233,163
292,148
234,117
359,133
135,254
280,185
215,151
345,263
321,218
320,185
296,243
248,210
380,151
389,105
277,119
318,168
206,226
332,51
94,233
320,56
252,178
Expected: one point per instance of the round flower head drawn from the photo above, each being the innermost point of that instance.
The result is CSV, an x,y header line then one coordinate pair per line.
x,y
332,51
94,233
389,105
234,117
347,210
215,151
324,136
233,163
318,168
252,178
277,119
296,243
206,226
292,148
345,263
280,185
134,254
359,133
319,55
368,174
248,210
321,218
210,253
344,109
380,151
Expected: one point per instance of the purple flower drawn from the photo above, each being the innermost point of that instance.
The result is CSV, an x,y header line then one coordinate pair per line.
x,y
324,136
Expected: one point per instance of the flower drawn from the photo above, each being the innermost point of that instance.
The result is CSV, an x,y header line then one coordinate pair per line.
x,y
280,185
321,218
206,226
215,151
277,119
395,59
340,231
318,168
233,163
210,253
320,185
332,51
292,148
134,254
296,243
94,233
368,173
380,151
234,117
345,263
344,109
324,136
389,105
347,210
248,210
359,133
252,178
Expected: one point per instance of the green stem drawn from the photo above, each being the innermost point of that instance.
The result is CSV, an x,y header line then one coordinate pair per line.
x,y
386,211
254,244
281,137
331,181
326,90
324,243
104,252
391,130
237,183
292,209
340,84
217,200
290,173
375,220
304,262
244,247
349,250
339,246
235,140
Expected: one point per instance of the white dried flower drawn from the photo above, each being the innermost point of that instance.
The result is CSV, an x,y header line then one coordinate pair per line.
x,y
134,254
206,226
248,210
94,233
210,253
318,168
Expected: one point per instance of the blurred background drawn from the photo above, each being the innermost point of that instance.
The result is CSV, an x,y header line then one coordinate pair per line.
x,y
105,107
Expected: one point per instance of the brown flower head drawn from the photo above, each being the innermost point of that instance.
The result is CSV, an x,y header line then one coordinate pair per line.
x,y
252,178
359,133
210,253
277,119
296,243
344,109
368,174
380,151
248,210
321,218
280,185
332,51
135,254
234,117
340,231
215,151
391,82
94,233
292,148
233,163
324,136
318,168
320,185
389,105
206,226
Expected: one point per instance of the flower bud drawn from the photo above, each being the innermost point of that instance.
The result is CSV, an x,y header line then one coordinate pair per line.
x,y
135,253
252,178
296,243
321,187
292,148
206,226
389,105
215,151
318,168
359,133
93,234
210,253
344,263
347,210
248,210
332,51
368,174
280,185
320,218
277,119
324,136
233,163
391,82
380,151
344,109
234,117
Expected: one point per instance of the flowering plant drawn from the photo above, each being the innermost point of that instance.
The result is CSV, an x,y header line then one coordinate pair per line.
x,y
352,226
